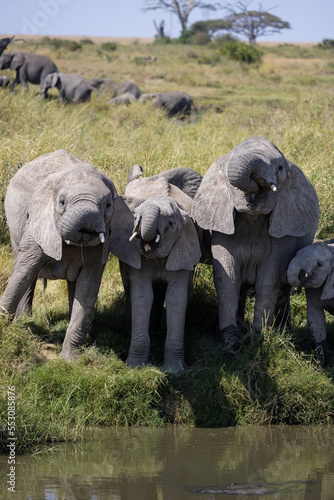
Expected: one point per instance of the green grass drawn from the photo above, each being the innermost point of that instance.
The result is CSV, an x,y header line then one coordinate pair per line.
x,y
287,98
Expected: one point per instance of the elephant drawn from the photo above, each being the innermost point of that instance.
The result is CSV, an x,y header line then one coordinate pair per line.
x,y
261,209
59,211
4,81
118,88
32,68
71,87
4,42
313,268
175,102
126,98
158,248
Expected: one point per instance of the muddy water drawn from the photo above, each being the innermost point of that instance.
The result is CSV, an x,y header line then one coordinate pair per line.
x,y
273,463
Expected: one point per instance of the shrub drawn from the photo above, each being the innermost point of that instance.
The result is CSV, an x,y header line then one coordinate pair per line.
x,y
110,46
241,52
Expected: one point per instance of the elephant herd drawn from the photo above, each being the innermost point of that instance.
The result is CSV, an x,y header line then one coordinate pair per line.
x,y
253,217
40,70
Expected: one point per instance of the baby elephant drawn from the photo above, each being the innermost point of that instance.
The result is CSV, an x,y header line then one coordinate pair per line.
x,y
313,268
4,81
157,244
71,87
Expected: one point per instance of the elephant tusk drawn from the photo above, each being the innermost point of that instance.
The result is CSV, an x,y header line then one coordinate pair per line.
x,y
67,242
157,238
132,237
306,275
101,237
273,186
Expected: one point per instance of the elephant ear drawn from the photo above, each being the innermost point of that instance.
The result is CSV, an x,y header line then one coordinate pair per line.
x,y
121,227
186,252
54,79
297,209
328,290
17,61
213,208
42,223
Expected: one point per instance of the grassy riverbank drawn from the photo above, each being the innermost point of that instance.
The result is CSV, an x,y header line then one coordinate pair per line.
x,y
288,98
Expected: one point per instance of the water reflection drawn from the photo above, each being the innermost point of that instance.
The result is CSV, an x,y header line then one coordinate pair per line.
x,y
183,464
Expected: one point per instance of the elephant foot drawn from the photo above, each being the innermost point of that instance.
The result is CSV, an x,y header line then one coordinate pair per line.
x,y
320,352
175,366
69,354
230,340
136,362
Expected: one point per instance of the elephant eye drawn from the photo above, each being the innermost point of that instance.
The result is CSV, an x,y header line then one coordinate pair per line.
x,y
319,264
62,201
280,168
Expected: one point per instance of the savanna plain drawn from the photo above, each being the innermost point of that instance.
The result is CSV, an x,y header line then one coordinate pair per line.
x,y
287,97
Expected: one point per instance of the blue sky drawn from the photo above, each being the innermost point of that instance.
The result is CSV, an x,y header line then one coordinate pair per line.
x,y
311,20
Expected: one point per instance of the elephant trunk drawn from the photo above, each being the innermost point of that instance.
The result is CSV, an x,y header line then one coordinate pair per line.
x,y
149,221
250,172
83,224
296,275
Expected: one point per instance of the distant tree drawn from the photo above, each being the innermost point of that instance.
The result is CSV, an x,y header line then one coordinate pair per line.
x,y
253,23
181,8
204,30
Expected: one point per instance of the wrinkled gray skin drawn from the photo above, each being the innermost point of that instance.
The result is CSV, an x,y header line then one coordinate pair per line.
x,y
118,88
164,248
261,210
4,81
30,68
71,87
174,102
59,212
313,268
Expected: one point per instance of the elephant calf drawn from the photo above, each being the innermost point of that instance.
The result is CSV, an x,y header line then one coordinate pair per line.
x,y
175,102
30,68
71,87
313,268
59,211
158,246
4,81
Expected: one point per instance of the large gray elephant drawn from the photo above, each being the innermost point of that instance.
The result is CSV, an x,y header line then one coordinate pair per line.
x,y
261,210
313,268
30,68
59,211
71,87
175,102
157,243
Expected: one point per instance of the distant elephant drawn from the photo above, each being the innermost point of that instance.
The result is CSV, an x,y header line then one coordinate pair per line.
x,y
157,243
59,211
4,42
118,88
261,210
174,102
4,81
126,98
313,268
71,87
32,68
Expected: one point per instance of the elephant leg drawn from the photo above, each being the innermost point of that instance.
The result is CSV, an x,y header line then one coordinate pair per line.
x,y
227,280
176,305
141,304
25,304
282,310
265,305
71,294
316,321
29,261
86,291
16,82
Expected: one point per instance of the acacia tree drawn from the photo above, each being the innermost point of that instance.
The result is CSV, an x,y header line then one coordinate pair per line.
x,y
253,23
181,8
